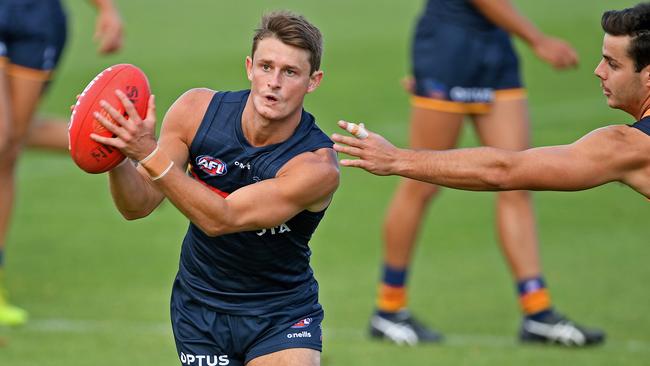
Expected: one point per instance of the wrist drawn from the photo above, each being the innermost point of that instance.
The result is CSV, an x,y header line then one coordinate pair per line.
x,y
150,156
157,164
401,162
535,39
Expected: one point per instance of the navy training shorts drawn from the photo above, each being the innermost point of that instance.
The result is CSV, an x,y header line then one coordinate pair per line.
x,y
206,337
32,36
462,70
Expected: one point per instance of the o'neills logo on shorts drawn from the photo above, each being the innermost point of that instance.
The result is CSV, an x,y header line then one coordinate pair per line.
x,y
204,360
211,166
303,334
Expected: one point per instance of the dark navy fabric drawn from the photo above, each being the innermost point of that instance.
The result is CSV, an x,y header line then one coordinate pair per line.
x,y
459,12
32,32
255,272
205,337
643,125
458,55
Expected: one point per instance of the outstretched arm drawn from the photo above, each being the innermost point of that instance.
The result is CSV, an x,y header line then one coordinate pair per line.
x,y
554,51
599,157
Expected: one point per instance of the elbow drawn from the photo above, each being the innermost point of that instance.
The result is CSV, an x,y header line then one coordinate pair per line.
x,y
211,231
217,224
133,215
135,210
499,177
214,228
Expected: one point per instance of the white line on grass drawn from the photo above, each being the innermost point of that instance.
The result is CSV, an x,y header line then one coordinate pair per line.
x,y
336,334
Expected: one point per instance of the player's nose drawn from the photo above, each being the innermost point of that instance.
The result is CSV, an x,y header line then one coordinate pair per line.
x,y
599,71
274,80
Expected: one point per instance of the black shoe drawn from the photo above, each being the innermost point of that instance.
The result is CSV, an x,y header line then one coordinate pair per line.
x,y
402,328
556,329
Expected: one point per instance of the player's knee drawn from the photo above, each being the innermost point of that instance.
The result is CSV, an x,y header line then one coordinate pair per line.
x,y
4,144
9,150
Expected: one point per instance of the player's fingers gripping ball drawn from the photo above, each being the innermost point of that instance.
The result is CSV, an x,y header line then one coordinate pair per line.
x,y
357,130
88,154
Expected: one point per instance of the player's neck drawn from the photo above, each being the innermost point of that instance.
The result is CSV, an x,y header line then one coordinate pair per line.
x,y
261,131
644,113
644,110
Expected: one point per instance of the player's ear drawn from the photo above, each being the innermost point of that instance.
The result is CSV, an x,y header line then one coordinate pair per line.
x,y
314,80
249,68
645,76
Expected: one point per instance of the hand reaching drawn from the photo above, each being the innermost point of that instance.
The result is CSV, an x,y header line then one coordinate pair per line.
x,y
375,153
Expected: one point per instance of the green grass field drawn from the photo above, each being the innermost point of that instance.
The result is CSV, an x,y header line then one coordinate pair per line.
x,y
97,287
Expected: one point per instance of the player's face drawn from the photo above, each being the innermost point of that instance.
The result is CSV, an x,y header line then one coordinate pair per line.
x,y
624,88
280,77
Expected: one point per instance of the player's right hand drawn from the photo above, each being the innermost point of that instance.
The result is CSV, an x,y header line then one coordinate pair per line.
x,y
556,52
375,153
133,136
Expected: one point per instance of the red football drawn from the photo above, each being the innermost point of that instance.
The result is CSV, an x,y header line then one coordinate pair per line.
x,y
92,156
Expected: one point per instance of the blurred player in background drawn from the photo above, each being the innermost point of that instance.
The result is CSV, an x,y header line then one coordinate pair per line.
x,y
616,153
464,64
262,176
32,36
52,133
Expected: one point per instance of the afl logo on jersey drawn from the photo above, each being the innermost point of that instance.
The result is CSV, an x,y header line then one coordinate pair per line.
x,y
211,166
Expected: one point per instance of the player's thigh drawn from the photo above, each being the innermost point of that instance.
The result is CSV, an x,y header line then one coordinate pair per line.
x,y
202,336
288,357
25,93
5,108
33,46
506,126
283,338
434,130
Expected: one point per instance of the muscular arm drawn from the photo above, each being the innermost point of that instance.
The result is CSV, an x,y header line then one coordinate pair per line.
x,y
605,155
552,50
306,182
134,194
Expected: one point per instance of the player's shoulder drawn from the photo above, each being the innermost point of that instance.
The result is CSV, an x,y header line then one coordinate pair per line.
x,y
189,106
624,134
186,113
627,143
194,99
614,134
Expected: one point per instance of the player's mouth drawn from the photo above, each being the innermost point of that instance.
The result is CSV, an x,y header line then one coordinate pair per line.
x,y
271,98
606,91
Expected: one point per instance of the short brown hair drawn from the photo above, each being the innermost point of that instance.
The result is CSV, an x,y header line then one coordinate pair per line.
x,y
633,22
293,30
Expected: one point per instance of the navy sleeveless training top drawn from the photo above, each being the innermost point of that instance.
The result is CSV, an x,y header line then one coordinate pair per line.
x,y
643,125
253,272
458,12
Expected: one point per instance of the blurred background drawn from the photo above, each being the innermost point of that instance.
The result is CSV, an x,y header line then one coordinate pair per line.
x,y
97,287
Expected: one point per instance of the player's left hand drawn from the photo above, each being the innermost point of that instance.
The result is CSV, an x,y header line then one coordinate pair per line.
x,y
133,136
108,31
556,52
375,153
